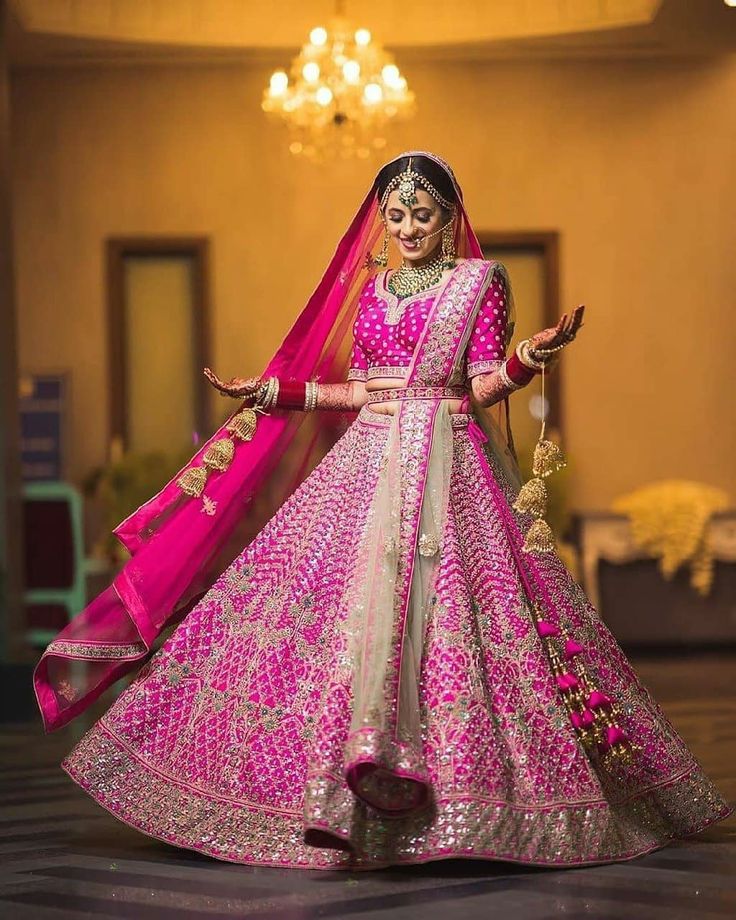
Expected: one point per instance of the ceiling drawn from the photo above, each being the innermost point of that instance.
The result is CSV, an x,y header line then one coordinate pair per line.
x,y
53,33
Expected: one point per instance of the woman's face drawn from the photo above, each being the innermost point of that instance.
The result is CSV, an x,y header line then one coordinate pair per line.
x,y
410,226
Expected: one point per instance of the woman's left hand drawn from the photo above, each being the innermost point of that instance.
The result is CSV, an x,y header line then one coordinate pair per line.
x,y
561,334
238,387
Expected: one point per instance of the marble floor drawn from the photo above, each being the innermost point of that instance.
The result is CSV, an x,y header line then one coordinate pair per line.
x,y
64,857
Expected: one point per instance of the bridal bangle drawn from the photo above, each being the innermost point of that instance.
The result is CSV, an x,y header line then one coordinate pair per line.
x,y
517,372
523,353
272,393
310,395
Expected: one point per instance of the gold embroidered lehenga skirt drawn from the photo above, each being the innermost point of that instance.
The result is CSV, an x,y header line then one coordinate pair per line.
x,y
262,733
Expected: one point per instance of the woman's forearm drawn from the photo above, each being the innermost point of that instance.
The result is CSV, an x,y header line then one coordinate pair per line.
x,y
341,397
306,396
491,388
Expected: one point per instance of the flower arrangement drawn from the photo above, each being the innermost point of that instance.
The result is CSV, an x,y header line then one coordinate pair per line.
x,y
669,521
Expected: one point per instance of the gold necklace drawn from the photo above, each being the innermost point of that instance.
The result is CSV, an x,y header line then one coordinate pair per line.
x,y
408,280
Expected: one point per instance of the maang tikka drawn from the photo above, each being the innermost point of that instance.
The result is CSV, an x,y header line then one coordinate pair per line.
x,y
407,182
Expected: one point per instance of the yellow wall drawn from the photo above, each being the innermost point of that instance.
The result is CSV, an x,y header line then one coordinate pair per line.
x,y
632,162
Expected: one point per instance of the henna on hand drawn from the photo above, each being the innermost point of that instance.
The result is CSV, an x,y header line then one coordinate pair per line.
x,y
490,388
560,335
337,396
236,386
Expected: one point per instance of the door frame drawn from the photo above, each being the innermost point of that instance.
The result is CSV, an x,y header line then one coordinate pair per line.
x,y
116,250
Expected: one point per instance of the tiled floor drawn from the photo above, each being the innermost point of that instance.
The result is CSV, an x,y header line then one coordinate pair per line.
x,y
64,857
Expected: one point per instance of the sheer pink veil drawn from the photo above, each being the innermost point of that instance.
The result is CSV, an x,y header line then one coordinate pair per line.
x,y
179,545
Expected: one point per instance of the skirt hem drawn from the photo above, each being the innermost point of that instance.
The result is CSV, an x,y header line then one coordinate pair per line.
x,y
254,837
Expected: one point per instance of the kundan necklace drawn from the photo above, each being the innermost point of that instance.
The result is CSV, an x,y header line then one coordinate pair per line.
x,y
407,280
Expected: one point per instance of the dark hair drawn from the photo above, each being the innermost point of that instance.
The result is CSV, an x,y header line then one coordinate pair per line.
x,y
425,167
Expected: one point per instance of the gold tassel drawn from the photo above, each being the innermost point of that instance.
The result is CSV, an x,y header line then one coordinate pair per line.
x,y
192,482
539,538
219,455
243,425
532,498
548,458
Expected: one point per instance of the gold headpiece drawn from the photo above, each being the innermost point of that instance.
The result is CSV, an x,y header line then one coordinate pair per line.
x,y
407,182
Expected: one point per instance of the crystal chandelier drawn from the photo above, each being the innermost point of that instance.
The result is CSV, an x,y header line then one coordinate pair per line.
x,y
342,93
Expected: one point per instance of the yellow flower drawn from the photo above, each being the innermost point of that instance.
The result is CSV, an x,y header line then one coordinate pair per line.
x,y
669,521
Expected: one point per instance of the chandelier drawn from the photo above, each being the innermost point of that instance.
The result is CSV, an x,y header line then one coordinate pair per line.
x,y
341,94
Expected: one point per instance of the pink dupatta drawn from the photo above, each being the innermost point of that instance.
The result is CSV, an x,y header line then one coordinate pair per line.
x,y
179,545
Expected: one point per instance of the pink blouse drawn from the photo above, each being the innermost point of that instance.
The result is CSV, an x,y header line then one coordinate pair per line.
x,y
387,329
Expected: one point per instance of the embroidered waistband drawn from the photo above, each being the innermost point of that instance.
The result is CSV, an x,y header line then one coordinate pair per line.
x,y
416,393
386,370
372,418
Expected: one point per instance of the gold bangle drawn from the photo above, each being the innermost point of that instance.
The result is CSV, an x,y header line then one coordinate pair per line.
x,y
265,397
522,353
507,381
310,396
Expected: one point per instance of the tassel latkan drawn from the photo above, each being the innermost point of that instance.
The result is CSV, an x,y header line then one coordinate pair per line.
x,y
591,712
192,481
243,425
548,458
219,455
539,538
532,498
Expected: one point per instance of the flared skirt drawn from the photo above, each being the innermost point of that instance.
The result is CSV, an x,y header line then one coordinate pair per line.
x,y
232,739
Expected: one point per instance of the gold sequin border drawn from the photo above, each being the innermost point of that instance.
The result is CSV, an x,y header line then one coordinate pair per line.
x,y
92,650
462,826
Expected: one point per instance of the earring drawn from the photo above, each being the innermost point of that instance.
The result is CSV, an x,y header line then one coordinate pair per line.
x,y
381,260
448,245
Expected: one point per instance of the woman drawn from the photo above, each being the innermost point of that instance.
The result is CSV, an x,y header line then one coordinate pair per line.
x,y
383,675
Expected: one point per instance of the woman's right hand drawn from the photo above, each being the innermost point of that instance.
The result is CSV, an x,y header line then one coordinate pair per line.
x,y
237,387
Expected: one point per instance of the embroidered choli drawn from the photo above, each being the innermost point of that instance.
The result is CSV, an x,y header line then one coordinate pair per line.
x,y
387,329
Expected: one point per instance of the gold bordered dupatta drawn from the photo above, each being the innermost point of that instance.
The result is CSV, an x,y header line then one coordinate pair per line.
x,y
398,559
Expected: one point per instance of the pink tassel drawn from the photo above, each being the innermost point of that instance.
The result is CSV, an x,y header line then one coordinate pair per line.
x,y
576,719
546,629
598,700
587,718
567,681
572,648
615,735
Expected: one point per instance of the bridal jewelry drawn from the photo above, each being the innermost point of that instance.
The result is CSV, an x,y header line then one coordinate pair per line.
x,y
310,395
407,182
524,355
408,280
448,244
381,260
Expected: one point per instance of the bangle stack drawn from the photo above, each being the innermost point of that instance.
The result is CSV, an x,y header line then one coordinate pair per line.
x,y
506,378
267,393
524,354
310,395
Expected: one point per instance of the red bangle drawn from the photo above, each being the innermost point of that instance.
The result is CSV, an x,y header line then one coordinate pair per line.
x,y
291,394
518,371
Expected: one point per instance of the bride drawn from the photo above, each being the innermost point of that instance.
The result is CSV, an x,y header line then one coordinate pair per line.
x,y
389,671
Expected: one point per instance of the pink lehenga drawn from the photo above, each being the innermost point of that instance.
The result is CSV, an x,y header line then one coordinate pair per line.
x,y
383,675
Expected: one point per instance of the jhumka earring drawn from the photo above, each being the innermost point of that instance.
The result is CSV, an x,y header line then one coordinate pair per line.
x,y
381,260
448,244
